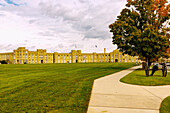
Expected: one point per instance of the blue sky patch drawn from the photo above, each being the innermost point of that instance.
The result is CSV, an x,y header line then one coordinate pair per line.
x,y
11,2
2,4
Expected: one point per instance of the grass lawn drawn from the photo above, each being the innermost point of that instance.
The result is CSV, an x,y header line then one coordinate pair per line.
x,y
165,106
60,88
138,77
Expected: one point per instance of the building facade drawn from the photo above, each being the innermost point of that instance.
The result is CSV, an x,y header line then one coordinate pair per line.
x,y
23,56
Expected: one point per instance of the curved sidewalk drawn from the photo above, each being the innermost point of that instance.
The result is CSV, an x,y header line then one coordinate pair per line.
x,y
111,96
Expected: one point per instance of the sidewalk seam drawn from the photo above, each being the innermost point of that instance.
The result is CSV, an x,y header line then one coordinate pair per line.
x,y
122,107
152,93
121,95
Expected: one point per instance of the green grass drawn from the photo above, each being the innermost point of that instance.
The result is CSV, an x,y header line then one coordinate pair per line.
x,y
165,105
60,88
138,77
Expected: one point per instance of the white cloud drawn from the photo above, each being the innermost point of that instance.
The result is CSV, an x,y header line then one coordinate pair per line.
x,y
58,25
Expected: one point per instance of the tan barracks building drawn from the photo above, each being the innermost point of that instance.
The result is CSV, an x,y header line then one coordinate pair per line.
x,y
23,55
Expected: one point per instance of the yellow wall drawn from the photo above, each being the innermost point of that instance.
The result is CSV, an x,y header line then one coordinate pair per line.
x,y
7,56
22,55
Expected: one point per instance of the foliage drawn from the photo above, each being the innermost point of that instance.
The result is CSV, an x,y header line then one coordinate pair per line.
x,y
3,62
142,29
54,88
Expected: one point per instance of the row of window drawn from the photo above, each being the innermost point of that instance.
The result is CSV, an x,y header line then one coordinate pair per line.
x,y
63,56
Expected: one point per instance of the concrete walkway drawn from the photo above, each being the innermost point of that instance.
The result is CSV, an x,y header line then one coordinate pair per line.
x,y
111,96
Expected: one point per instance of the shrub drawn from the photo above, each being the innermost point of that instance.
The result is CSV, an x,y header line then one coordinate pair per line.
x,y
3,62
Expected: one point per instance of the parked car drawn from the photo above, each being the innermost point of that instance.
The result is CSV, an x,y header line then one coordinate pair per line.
x,y
168,63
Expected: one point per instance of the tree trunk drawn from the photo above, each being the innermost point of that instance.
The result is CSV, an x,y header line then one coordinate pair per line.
x,y
147,67
147,70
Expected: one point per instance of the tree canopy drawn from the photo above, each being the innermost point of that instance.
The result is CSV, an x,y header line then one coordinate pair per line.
x,y
142,29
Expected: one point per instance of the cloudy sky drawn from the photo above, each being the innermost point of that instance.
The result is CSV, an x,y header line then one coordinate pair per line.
x,y
58,25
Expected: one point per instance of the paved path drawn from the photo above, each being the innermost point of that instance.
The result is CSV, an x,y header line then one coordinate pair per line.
x,y
111,96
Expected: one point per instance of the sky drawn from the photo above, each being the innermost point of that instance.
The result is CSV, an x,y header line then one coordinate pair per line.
x,y
58,25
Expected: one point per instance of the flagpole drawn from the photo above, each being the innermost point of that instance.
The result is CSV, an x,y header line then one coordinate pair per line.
x,y
75,47
96,48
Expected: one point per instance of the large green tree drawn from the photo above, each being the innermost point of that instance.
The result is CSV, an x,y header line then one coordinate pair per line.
x,y
142,29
